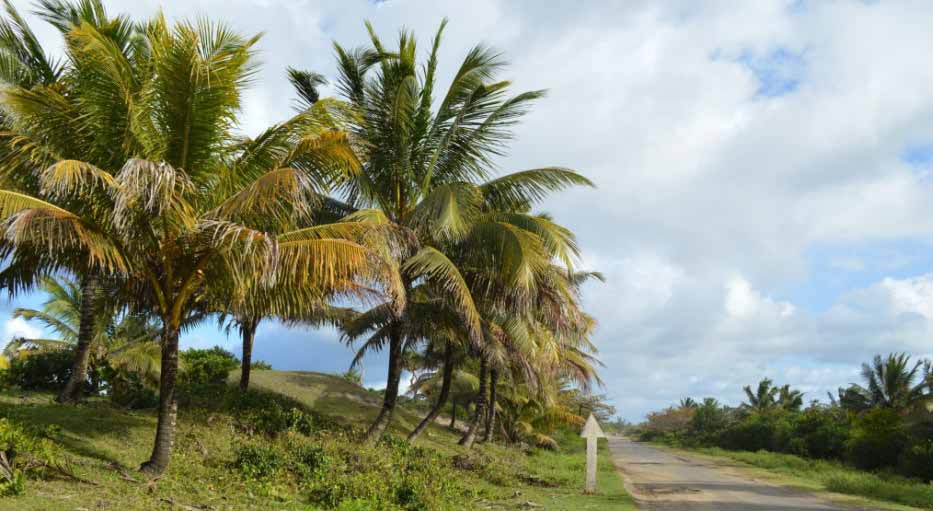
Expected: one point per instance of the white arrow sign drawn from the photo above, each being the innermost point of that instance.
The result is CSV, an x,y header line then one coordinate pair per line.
x,y
591,432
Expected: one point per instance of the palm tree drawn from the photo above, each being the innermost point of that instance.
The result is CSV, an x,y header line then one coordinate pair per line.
x,y
540,345
25,65
849,399
687,402
128,345
196,206
892,382
790,400
764,397
423,178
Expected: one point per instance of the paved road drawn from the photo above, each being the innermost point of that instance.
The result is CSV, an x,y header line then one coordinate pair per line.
x,y
666,482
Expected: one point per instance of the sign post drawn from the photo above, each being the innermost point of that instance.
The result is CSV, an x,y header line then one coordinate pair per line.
x,y
591,432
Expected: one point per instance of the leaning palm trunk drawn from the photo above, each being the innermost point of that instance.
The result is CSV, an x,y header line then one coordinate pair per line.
x,y
248,333
390,397
446,379
480,415
168,407
453,415
491,413
75,385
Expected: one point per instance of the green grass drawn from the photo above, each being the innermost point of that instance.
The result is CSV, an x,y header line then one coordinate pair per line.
x,y
105,445
567,466
832,476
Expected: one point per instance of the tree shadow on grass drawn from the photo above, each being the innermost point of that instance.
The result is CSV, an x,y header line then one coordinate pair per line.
x,y
80,425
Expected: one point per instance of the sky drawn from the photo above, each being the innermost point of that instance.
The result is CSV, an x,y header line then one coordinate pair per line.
x,y
764,204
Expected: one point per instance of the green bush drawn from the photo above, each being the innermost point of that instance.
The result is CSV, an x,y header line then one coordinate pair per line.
x,y
128,391
820,433
708,422
207,366
41,370
255,461
261,365
877,440
275,419
26,453
917,460
754,433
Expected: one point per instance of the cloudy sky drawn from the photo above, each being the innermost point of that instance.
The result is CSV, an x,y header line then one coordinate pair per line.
x,y
764,202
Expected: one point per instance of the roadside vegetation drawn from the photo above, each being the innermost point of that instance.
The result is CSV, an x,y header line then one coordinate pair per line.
x,y
130,197
300,449
873,439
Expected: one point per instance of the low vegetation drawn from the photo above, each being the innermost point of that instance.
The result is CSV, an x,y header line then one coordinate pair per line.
x,y
873,440
264,450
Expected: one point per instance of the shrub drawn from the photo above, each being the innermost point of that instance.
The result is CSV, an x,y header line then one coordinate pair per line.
x,y
275,419
207,366
128,391
820,433
41,370
917,460
261,365
754,433
708,422
353,376
255,461
877,440
669,422
25,453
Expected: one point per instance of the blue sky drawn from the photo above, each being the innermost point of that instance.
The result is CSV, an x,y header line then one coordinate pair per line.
x,y
763,205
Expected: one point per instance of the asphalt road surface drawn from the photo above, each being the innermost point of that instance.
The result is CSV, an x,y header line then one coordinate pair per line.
x,y
663,481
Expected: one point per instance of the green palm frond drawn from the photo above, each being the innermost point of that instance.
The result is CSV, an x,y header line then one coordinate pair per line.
x,y
23,61
34,222
519,190
432,264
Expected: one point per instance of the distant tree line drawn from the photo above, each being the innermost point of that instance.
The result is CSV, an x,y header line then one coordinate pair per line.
x,y
885,422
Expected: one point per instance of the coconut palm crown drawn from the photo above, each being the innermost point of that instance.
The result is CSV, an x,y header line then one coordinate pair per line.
x,y
195,205
427,174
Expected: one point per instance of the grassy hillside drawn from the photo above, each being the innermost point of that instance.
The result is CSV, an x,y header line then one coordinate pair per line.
x,y
222,458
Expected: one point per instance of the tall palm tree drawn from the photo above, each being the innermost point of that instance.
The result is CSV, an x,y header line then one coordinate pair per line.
x,y
892,382
25,65
542,344
789,399
764,397
125,342
687,402
425,175
196,206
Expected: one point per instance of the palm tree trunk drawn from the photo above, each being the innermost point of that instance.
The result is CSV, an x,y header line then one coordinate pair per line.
x,y
75,385
168,407
390,397
453,415
480,414
248,333
446,378
491,413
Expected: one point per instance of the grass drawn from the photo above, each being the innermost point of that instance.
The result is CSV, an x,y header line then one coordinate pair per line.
x,y
567,466
879,489
104,445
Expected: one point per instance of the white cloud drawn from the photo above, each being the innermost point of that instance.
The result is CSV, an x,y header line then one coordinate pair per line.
x,y
19,327
710,193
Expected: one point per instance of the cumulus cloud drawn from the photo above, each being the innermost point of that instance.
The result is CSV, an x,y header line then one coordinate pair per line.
x,y
727,139
19,327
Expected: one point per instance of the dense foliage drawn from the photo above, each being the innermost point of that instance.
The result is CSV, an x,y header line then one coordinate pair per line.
x,y
207,366
885,425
